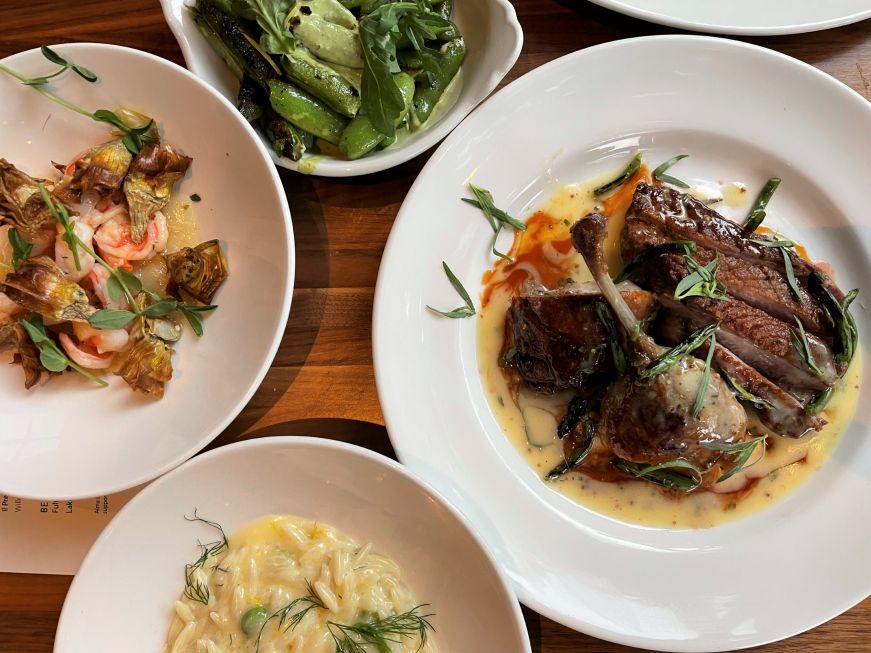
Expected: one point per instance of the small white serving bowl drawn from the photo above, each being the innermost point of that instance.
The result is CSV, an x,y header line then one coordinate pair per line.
x,y
70,439
493,40
142,553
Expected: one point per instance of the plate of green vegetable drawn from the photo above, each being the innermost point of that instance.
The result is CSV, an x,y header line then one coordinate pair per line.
x,y
348,87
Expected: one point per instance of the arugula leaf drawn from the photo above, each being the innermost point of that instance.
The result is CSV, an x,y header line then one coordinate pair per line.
x,y
271,16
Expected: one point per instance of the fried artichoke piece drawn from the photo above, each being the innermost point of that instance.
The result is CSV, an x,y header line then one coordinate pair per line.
x,y
21,201
147,364
199,271
149,183
39,285
105,167
14,338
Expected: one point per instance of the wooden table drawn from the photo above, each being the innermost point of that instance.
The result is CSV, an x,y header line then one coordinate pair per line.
x,y
322,381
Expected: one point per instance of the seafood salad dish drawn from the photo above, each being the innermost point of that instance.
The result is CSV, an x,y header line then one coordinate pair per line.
x,y
283,583
99,265
658,361
337,78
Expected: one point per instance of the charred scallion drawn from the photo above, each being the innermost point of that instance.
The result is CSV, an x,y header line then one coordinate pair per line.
x,y
578,453
575,411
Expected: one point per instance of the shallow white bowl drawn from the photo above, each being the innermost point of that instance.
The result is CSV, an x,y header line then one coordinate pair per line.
x,y
70,438
747,17
778,572
493,41
363,494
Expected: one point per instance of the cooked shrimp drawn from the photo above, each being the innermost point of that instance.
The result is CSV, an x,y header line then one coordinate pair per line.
x,y
114,239
85,355
8,308
99,278
94,210
63,255
103,340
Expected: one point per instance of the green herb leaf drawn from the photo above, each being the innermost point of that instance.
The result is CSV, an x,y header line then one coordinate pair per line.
x,y
773,243
819,402
195,198
803,347
631,169
659,172
575,411
161,308
506,358
578,453
744,450
130,280
380,633
745,395
20,248
677,246
705,380
463,311
85,74
846,332
195,589
664,473
53,56
790,274
50,355
757,211
674,355
292,614
617,353
484,201
60,214
701,281
109,318
271,16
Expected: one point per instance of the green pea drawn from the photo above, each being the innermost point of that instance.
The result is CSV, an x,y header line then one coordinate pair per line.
x,y
253,619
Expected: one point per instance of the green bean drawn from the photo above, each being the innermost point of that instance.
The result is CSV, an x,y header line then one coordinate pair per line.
x,y
360,137
431,87
305,111
253,619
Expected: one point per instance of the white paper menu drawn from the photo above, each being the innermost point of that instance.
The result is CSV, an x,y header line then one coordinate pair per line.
x,y
52,537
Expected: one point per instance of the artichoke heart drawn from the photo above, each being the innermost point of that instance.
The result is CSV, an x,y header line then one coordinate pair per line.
x,y
21,200
199,271
149,183
147,364
39,285
14,338
105,167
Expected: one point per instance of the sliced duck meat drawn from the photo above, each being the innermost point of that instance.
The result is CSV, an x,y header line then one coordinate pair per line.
x,y
756,283
778,410
556,340
655,413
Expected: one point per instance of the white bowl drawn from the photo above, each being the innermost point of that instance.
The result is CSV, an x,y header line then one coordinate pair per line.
x,y
70,438
746,17
767,576
493,41
361,493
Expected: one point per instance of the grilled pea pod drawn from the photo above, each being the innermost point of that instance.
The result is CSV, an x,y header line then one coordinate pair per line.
x,y
233,45
328,31
322,82
287,139
305,111
251,99
360,136
432,86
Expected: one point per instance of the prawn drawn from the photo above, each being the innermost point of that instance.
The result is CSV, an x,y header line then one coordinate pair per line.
x,y
115,240
99,278
84,355
63,255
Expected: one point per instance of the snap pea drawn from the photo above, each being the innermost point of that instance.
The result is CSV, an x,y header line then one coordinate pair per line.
x,y
287,139
360,136
326,33
444,8
250,100
305,111
431,87
322,82
253,619
351,4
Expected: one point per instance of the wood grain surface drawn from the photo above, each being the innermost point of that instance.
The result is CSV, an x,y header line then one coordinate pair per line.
x,y
322,382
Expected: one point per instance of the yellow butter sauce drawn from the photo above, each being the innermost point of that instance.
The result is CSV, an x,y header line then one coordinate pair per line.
x,y
181,222
787,461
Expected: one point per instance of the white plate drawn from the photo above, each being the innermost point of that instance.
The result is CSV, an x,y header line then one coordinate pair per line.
x,y
781,571
70,438
361,493
493,41
748,17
